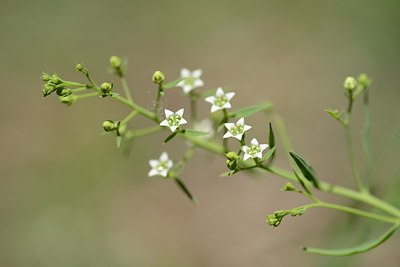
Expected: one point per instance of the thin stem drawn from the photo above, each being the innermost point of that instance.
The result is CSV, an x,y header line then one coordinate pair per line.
x,y
143,132
80,89
225,120
86,95
152,116
125,87
157,103
353,164
358,212
129,117
367,140
193,106
92,82
186,157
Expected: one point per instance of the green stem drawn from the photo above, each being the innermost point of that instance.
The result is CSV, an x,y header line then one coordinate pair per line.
x,y
129,117
152,116
143,132
358,212
186,157
225,120
157,103
87,95
193,106
125,87
353,164
367,140
80,89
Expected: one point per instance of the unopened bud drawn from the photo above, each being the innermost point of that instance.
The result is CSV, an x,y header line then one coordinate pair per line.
x,y
81,68
364,80
69,99
232,155
55,79
45,77
350,83
109,126
115,62
63,91
158,77
289,187
106,88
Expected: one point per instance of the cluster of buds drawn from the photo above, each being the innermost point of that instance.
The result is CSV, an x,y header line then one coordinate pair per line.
x,y
275,219
53,83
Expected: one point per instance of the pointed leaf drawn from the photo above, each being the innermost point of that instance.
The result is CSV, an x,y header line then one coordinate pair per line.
x,y
364,247
185,190
271,144
269,154
305,168
245,112
170,137
226,174
119,139
191,132
302,183
172,83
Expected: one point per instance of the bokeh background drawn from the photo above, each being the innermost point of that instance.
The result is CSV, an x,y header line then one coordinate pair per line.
x,y
68,197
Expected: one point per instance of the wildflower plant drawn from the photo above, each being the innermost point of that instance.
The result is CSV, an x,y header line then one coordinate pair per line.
x,y
206,135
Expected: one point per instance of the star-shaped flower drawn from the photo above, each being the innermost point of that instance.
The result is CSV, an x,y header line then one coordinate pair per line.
x,y
220,100
255,150
236,129
173,119
161,166
191,80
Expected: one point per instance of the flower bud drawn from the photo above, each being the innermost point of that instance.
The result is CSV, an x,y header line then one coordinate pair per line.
x,y
232,155
68,99
81,68
289,187
63,91
45,77
106,88
364,80
122,128
115,62
158,77
48,89
350,83
55,79
109,126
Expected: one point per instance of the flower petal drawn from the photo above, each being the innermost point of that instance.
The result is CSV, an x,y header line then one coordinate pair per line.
x,y
164,173
210,99
196,73
263,147
182,121
254,142
220,92
180,112
152,172
198,83
239,136
169,164
227,105
230,95
153,163
187,88
246,128
227,135
229,125
173,128
246,157
259,155
244,149
185,73
240,121
168,113
164,156
214,108
164,123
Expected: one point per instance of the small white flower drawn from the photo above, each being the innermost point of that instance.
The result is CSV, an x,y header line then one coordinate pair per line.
x,y
220,100
191,80
236,129
161,166
254,151
205,125
173,119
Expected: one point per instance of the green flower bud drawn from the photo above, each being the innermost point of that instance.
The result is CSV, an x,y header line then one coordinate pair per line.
x,y
45,77
68,99
106,88
63,91
350,83
115,62
48,89
297,211
231,160
81,68
158,77
232,155
289,187
122,128
364,80
109,126
55,79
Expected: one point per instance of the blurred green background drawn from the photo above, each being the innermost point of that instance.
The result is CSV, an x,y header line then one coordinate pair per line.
x,y
68,197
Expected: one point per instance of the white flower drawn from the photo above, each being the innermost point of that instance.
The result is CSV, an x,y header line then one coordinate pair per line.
x,y
161,166
220,100
191,80
236,129
205,125
255,150
173,119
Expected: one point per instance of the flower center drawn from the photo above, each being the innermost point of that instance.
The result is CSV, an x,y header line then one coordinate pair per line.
x,y
237,129
174,120
220,101
162,165
253,150
190,80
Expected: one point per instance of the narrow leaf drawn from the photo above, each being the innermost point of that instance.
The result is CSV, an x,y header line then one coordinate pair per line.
x,y
305,168
364,247
185,190
271,144
119,139
170,137
245,112
269,154
172,84
191,132
302,183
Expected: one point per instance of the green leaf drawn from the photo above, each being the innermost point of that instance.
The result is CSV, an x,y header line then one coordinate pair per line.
x,y
302,183
185,190
364,247
191,132
170,137
271,144
226,174
305,168
245,112
172,84
269,154
336,114
119,139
